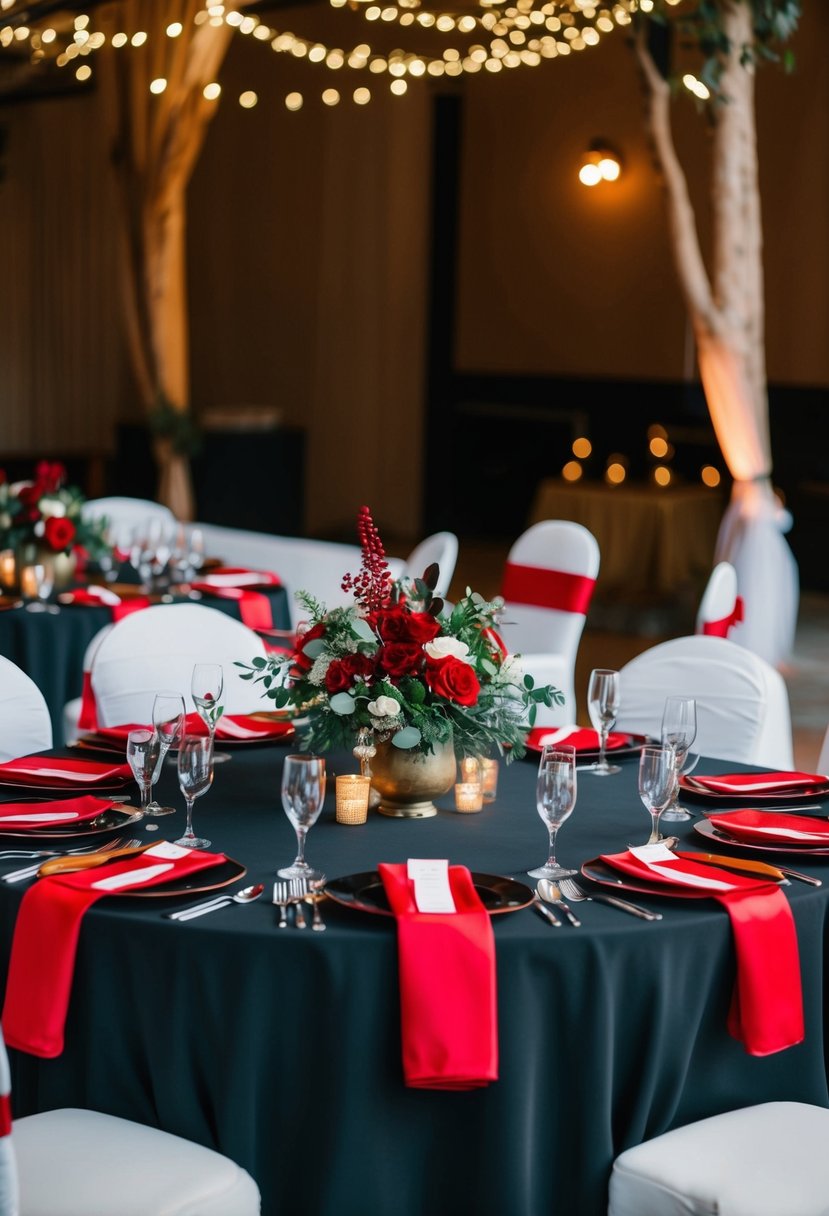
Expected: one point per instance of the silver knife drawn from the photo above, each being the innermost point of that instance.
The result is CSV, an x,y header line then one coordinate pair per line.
x,y
547,913
625,906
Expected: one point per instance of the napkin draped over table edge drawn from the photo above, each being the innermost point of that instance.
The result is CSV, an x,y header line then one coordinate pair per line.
x,y
448,992
45,942
766,1012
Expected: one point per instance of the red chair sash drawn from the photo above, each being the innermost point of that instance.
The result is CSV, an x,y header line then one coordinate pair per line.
x,y
722,627
542,588
5,1115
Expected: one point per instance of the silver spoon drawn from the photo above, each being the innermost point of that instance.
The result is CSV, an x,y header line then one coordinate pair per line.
x,y
550,892
246,896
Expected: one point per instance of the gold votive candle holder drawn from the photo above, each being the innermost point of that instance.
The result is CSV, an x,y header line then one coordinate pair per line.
x,y
352,794
489,779
469,790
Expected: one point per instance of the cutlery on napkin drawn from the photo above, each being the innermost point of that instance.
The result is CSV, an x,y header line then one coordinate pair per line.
x,y
766,1012
446,960
68,865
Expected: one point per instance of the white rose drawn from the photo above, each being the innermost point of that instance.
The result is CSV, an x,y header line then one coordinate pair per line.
x,y
442,648
52,507
384,707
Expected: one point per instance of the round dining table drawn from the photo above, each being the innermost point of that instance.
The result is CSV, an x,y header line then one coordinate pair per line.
x,y
282,1047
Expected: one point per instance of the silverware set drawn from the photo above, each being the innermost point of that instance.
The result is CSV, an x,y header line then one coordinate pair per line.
x,y
290,895
31,870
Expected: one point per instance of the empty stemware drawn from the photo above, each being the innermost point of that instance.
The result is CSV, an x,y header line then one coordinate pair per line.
x,y
679,729
195,776
603,707
555,797
657,778
168,723
303,793
142,756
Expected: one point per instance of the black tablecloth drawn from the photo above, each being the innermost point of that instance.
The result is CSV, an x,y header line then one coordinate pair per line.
x,y
282,1048
51,647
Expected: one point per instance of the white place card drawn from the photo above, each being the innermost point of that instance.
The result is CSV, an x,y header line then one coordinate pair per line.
x,y
132,877
665,863
431,885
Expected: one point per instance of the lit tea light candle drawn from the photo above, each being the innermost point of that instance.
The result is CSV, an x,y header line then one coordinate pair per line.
x,y
8,569
31,578
489,779
352,794
469,796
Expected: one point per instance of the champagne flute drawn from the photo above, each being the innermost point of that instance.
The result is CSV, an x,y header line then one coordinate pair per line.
x,y
168,723
195,776
657,779
555,797
303,792
679,729
142,756
603,707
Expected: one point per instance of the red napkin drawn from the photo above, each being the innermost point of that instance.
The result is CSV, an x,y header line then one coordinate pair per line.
x,y
33,815
583,740
759,783
766,827
230,727
54,770
102,597
766,1012
46,938
228,583
448,996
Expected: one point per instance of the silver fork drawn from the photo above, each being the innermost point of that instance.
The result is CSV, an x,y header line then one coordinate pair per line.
x,y
281,897
299,889
30,871
572,889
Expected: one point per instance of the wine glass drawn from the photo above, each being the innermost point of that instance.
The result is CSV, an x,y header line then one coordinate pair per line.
x,y
657,779
555,797
603,707
36,585
142,756
679,729
195,776
168,722
303,792
206,687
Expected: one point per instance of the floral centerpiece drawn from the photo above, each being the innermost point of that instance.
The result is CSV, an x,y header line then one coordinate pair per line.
x,y
400,665
46,512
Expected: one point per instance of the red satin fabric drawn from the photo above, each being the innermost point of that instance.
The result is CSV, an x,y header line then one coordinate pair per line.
x,y
766,1013
88,717
722,627
86,597
57,770
543,588
759,783
581,738
254,607
45,944
230,728
448,994
85,808
5,1115
749,824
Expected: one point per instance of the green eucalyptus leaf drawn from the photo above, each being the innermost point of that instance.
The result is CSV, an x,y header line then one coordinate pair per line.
x,y
406,738
314,648
342,704
363,630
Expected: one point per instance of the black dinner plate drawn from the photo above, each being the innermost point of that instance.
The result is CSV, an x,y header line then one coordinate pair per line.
x,y
111,820
366,893
211,879
707,829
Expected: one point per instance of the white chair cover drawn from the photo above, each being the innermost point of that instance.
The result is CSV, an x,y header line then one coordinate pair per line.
x,y
742,703
718,612
440,547
554,669
9,1188
157,648
766,1160
72,709
548,583
25,725
314,566
126,512
823,758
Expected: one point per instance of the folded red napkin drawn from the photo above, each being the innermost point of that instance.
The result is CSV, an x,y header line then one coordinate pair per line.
x,y
230,727
448,996
759,783
583,740
46,938
102,597
766,1012
766,827
52,814
54,771
228,582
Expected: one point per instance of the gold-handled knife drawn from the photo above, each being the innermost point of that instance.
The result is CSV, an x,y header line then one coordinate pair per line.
x,y
66,865
761,868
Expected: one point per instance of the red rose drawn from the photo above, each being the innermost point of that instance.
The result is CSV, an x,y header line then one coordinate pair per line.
x,y
338,677
50,475
401,659
59,533
454,680
359,666
399,625
302,662
30,496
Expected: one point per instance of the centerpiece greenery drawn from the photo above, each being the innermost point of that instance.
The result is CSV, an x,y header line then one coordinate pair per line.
x,y
401,665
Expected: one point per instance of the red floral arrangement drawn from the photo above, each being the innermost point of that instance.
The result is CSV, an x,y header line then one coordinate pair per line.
x,y
47,512
403,665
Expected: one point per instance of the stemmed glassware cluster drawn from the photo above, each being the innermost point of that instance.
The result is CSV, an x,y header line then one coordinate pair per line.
x,y
165,553
555,797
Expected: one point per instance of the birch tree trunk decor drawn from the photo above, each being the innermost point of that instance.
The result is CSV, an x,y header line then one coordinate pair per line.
x,y
726,307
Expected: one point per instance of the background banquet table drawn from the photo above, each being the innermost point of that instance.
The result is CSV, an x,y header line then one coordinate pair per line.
x,y
50,647
282,1047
